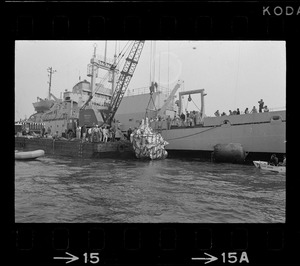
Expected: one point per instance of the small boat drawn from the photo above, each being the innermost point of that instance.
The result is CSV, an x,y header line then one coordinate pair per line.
x,y
28,155
265,166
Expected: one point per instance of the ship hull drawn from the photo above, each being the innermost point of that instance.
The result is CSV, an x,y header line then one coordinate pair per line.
x,y
259,134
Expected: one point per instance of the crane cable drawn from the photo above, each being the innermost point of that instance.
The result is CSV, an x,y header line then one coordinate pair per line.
x,y
190,99
107,74
152,77
117,63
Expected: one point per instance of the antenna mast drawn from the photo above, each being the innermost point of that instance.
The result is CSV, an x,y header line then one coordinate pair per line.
x,y
50,71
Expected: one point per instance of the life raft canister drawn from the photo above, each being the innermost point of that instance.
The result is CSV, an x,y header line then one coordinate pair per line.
x,y
231,152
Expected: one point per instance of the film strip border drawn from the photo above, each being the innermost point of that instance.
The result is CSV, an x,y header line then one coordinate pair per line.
x,y
119,244
163,244
148,20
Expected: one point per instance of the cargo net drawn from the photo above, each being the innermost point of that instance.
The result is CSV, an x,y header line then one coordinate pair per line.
x,y
148,144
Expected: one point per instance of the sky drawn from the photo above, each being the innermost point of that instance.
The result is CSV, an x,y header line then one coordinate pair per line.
x,y
234,74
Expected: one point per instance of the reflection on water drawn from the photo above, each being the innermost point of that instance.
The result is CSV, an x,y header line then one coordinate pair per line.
x,y
58,189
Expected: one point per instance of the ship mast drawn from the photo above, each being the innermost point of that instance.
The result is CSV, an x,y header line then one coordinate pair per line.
x,y
50,71
113,70
93,70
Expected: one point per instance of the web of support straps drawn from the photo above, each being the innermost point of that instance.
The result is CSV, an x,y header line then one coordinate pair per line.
x,y
150,100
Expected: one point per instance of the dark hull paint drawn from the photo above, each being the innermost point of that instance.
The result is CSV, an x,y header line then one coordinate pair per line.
x,y
121,149
76,148
208,155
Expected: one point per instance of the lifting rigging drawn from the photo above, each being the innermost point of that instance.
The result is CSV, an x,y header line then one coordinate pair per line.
x,y
123,80
153,85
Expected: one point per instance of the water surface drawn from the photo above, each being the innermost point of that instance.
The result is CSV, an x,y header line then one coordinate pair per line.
x,y
60,189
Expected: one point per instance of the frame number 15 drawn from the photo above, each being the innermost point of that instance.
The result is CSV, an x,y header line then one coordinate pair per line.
x,y
91,258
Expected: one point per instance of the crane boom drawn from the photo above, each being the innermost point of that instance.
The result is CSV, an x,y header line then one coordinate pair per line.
x,y
86,103
163,109
123,81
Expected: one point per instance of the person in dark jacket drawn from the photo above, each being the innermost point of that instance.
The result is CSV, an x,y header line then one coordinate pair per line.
x,y
261,105
273,160
129,131
182,116
43,131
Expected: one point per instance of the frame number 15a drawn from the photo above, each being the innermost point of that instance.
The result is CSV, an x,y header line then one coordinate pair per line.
x,y
234,257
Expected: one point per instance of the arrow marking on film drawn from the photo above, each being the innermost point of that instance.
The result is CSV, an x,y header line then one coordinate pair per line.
x,y
210,259
71,259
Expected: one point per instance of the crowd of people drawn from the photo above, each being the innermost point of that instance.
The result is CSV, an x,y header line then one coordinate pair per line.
x,y
100,134
189,119
261,108
95,133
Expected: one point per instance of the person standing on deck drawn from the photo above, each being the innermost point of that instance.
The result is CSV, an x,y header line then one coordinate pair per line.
x,y
254,110
261,105
97,133
83,132
105,134
159,124
168,122
88,134
43,130
195,117
129,131
49,131
78,132
187,118
182,116
100,134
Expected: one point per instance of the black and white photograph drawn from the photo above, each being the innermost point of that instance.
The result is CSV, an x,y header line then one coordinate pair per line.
x,y
124,131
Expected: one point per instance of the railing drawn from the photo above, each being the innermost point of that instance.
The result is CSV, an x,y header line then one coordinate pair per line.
x,y
282,108
144,90
107,59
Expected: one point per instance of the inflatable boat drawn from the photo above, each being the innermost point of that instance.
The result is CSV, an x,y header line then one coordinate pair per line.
x,y
28,155
267,167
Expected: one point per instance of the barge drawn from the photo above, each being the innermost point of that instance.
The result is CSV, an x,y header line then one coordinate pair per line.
x,y
76,148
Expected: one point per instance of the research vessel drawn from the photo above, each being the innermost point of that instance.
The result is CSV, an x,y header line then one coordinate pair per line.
x,y
259,134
